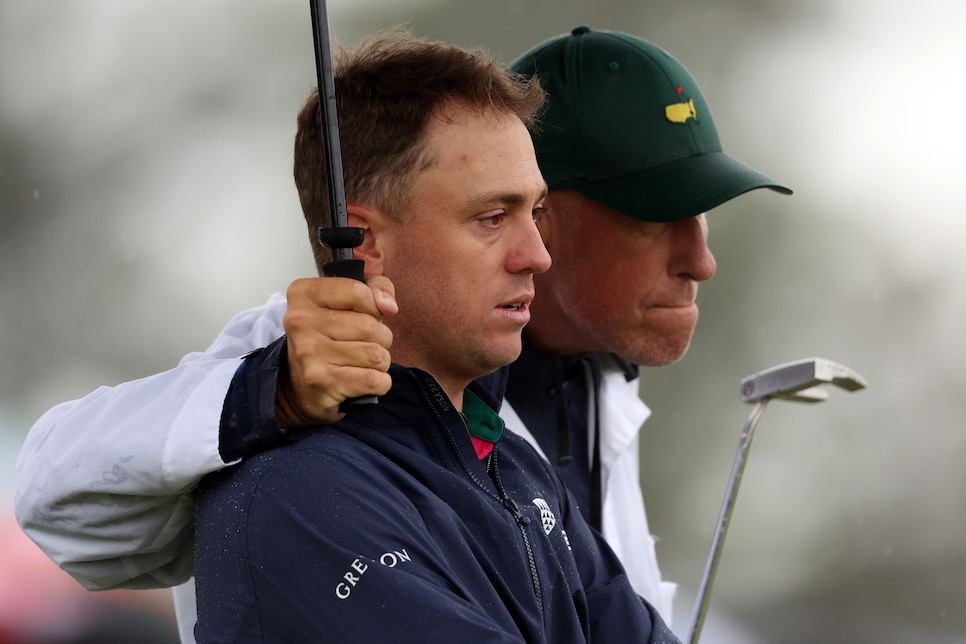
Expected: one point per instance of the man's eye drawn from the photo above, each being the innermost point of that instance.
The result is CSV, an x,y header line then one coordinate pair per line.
x,y
494,220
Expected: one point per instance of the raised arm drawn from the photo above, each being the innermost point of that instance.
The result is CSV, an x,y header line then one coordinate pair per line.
x,y
101,481
104,483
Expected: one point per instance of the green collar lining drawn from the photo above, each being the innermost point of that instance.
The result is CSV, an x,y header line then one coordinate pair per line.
x,y
482,421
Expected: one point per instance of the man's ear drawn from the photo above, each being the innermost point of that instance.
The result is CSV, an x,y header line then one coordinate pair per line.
x,y
372,222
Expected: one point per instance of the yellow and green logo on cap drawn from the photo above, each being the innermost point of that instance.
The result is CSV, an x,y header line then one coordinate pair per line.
x,y
681,112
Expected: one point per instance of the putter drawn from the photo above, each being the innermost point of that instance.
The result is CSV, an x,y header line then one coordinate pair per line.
x,y
798,381
340,237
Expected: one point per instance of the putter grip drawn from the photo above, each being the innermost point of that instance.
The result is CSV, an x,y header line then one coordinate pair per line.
x,y
351,268
354,269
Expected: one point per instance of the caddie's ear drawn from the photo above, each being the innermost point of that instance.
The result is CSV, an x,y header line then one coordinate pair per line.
x,y
372,222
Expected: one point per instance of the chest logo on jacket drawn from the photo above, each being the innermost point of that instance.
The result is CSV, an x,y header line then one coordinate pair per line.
x,y
546,515
549,520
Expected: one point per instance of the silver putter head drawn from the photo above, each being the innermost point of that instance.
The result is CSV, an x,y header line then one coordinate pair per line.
x,y
798,381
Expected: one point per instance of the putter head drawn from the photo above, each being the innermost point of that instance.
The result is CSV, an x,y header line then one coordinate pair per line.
x,y
799,381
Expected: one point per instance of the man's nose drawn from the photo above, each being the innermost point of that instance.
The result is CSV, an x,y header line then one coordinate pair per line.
x,y
532,255
692,258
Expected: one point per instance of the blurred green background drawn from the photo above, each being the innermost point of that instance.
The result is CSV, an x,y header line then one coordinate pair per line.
x,y
146,196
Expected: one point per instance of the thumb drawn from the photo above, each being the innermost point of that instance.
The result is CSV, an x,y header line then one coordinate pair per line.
x,y
384,293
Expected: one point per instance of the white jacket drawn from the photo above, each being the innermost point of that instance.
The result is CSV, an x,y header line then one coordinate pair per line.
x,y
103,481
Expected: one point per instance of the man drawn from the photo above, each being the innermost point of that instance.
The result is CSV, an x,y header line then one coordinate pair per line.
x,y
411,520
632,159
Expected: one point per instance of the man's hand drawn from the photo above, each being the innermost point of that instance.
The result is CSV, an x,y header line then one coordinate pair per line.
x,y
337,347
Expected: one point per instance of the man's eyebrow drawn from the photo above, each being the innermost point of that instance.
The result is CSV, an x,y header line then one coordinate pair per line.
x,y
508,198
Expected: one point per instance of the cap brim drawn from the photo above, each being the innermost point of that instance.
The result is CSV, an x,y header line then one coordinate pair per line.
x,y
678,189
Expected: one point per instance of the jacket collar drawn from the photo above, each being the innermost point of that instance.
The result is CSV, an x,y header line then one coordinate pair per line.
x,y
540,370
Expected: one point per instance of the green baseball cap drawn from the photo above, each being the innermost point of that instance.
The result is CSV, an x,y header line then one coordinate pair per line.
x,y
627,126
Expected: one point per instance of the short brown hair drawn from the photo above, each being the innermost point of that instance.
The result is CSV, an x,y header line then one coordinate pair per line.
x,y
386,91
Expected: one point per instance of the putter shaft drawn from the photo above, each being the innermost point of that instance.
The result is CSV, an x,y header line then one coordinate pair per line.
x,y
724,519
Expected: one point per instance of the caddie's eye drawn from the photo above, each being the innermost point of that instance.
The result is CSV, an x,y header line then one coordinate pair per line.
x,y
539,212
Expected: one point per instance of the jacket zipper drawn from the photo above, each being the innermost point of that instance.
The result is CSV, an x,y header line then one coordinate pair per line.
x,y
522,521
509,504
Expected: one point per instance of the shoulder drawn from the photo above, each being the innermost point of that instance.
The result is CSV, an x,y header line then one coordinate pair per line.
x,y
326,458
326,482
323,496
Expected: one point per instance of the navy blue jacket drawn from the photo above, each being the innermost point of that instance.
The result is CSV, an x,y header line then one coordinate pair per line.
x,y
386,527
